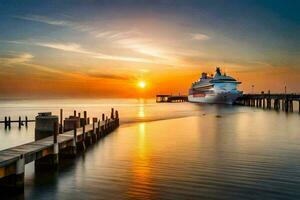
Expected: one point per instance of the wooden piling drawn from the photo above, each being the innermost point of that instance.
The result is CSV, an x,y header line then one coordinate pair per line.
x,y
286,105
98,129
72,150
85,117
94,134
83,133
20,122
55,159
75,113
291,106
112,113
9,122
61,121
74,140
26,121
117,118
5,122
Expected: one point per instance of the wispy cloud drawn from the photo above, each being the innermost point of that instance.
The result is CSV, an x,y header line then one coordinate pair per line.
x,y
96,74
24,59
12,59
149,51
79,26
73,47
199,36
130,39
56,22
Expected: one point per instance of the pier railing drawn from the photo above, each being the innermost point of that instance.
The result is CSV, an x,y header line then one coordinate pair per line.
x,y
47,150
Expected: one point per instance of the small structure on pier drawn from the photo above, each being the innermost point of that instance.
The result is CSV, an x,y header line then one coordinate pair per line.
x,y
164,98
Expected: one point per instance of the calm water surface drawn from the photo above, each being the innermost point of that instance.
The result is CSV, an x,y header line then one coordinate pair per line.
x,y
169,151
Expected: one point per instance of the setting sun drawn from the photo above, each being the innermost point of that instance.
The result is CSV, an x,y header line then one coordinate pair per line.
x,y
142,84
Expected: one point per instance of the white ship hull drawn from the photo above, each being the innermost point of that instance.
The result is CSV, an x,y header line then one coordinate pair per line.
x,y
219,98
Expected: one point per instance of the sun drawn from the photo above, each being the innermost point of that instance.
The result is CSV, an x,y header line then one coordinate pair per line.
x,y
141,84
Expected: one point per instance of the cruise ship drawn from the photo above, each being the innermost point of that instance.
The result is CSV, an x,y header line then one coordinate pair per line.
x,y
219,88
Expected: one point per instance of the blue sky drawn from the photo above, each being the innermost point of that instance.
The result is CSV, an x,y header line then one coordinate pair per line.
x,y
122,42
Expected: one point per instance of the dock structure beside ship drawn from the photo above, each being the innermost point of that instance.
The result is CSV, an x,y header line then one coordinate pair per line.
x,y
54,140
165,98
284,102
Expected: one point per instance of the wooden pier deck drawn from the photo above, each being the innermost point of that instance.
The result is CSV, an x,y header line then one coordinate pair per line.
x,y
47,150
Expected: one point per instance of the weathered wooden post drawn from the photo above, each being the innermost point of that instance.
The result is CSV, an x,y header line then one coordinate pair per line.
x,y
291,107
26,121
73,148
83,133
93,134
112,113
98,129
286,105
102,128
79,115
55,146
20,169
20,122
269,103
61,121
74,113
75,136
9,122
95,119
5,122
82,142
85,117
117,118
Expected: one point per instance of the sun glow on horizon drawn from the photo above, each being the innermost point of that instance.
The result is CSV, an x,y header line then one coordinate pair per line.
x,y
142,84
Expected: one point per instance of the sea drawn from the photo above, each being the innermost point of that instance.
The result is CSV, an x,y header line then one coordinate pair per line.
x,y
167,151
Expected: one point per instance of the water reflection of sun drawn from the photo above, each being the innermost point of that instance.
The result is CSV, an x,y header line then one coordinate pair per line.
x,y
141,167
141,113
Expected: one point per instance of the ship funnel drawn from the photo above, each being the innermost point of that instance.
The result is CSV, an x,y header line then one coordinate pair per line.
x,y
218,71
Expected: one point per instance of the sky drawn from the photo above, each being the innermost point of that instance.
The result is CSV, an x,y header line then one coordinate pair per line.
x,y
92,49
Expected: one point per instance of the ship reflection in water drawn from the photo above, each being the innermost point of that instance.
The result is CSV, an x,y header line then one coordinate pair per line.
x,y
175,151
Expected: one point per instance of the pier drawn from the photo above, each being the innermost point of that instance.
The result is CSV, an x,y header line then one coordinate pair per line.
x,y
270,101
7,122
164,98
53,140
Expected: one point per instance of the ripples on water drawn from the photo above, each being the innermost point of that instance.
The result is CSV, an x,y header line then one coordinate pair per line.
x,y
171,151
